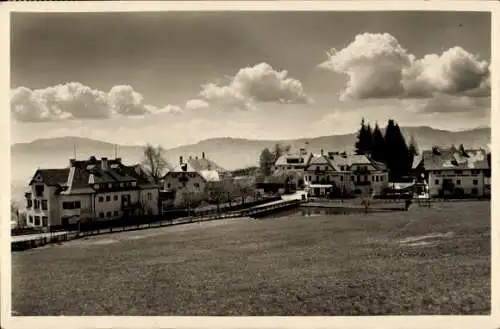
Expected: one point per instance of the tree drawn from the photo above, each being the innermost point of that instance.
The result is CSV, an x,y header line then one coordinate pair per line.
x,y
396,152
279,150
154,160
266,161
412,149
378,145
364,139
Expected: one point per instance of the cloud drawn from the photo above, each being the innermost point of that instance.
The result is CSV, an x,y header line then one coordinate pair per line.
x,y
256,84
377,66
443,103
196,104
74,100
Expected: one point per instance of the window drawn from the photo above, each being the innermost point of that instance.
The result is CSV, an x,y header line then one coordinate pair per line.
x,y
458,182
458,172
373,178
150,195
326,167
328,178
376,178
474,191
352,178
30,203
122,185
108,214
77,205
437,172
110,185
44,205
45,221
71,205
37,204
475,172
96,186
475,182
169,185
39,190
115,213
101,214
115,197
108,198
381,178
30,219
436,182
37,220
134,183
101,199
341,178
366,178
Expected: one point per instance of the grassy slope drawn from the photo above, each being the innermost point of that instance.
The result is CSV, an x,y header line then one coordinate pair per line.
x,y
323,265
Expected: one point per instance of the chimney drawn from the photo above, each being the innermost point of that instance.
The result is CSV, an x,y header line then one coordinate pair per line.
x,y
322,151
203,155
118,160
180,159
104,163
72,162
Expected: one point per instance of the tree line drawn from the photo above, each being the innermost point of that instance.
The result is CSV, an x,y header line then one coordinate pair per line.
x,y
389,148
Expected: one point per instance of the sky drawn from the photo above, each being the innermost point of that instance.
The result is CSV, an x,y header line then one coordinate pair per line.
x,y
175,78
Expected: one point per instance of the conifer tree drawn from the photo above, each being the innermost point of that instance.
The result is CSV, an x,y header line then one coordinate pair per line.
x,y
364,139
378,145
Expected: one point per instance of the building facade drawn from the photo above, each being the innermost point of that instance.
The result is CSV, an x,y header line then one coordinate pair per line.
x,y
90,190
453,171
345,174
190,178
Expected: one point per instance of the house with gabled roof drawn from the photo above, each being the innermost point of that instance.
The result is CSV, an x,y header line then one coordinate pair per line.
x,y
454,171
346,173
191,176
93,189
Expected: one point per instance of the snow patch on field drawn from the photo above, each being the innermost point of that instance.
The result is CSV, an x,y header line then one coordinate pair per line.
x,y
426,240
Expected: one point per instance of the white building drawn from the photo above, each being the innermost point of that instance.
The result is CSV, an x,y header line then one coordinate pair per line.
x,y
191,177
295,161
455,172
346,173
90,190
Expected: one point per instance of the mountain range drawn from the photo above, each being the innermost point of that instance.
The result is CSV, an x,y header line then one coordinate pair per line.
x,y
230,153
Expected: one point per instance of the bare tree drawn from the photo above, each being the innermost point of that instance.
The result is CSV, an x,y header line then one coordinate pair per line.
x,y
154,160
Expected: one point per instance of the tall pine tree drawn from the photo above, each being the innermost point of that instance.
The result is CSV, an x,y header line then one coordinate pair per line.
x,y
396,152
364,142
378,145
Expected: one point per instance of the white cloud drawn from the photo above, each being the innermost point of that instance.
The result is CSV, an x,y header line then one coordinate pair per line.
x,y
196,104
74,100
256,84
377,66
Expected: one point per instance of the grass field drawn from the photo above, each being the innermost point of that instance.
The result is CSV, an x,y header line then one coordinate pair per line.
x,y
425,261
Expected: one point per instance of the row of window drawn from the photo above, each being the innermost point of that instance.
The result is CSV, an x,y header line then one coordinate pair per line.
x,y
38,220
125,197
71,205
459,182
109,214
37,204
375,178
115,185
460,172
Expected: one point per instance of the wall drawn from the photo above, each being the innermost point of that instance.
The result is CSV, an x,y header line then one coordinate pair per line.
x,y
113,206
173,182
52,212
149,198
85,211
466,181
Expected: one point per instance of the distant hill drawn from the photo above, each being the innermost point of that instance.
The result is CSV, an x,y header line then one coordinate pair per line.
x,y
230,153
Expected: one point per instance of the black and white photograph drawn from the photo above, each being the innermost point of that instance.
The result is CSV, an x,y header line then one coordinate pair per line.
x,y
251,163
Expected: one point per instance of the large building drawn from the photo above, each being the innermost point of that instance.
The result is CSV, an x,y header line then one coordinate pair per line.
x,y
90,190
454,171
191,176
347,173
294,161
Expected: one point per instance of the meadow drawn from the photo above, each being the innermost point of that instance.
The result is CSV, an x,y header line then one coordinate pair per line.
x,y
426,261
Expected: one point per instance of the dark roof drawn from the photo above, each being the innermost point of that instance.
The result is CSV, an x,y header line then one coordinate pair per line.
x,y
453,158
52,177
